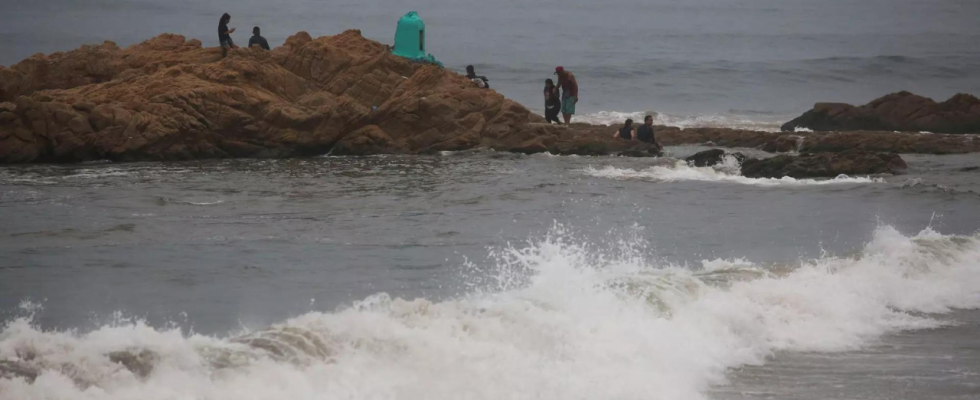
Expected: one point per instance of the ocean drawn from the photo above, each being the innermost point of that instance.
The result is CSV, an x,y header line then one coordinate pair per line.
x,y
485,275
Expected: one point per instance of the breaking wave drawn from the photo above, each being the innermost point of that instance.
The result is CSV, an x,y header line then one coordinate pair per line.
x,y
740,120
555,319
679,170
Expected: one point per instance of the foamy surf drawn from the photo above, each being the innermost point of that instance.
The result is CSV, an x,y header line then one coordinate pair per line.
x,y
556,319
727,172
769,123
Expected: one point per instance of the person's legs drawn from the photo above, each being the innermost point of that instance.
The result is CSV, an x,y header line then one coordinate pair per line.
x,y
551,115
568,108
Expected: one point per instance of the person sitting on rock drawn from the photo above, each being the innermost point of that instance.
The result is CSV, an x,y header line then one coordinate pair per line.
x,y
257,39
224,35
552,102
480,81
627,132
645,132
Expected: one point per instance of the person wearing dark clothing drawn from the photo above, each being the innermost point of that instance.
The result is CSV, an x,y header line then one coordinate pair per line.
x,y
257,39
645,132
627,132
224,34
552,102
480,81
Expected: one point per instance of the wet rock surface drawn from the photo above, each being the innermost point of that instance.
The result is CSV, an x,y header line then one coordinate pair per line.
x,y
824,165
902,111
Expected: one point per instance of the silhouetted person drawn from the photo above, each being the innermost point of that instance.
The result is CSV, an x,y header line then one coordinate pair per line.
x,y
480,81
224,34
552,102
627,132
257,39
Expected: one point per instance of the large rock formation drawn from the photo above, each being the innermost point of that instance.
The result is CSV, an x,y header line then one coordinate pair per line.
x,y
901,111
170,99
824,165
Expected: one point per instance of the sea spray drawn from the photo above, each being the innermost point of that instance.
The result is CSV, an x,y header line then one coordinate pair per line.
x,y
574,320
728,172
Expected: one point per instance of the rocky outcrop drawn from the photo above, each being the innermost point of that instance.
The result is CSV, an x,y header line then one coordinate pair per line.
x,y
901,111
171,99
824,165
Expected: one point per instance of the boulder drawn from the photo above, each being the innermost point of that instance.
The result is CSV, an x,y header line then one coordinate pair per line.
x,y
824,165
711,157
902,111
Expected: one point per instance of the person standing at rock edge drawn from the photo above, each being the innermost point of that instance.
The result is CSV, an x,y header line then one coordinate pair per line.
x,y
224,35
627,132
645,132
569,93
257,39
480,81
552,103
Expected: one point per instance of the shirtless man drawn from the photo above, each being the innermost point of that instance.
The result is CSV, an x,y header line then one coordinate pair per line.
x,y
569,93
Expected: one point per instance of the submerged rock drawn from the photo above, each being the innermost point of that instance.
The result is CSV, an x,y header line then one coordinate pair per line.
x,y
711,157
140,363
902,111
824,165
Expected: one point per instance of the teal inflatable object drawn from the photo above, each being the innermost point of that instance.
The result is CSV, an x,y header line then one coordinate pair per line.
x,y
410,39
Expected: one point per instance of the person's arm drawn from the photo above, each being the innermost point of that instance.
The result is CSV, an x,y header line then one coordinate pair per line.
x,y
616,134
633,134
265,44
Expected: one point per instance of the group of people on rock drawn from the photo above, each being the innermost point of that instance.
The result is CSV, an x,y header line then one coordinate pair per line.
x,y
644,133
562,98
558,98
555,101
224,36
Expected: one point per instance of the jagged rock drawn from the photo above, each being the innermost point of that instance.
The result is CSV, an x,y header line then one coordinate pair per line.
x,y
711,157
170,99
902,111
824,165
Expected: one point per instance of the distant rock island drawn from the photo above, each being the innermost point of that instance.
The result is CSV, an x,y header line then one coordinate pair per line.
x,y
169,98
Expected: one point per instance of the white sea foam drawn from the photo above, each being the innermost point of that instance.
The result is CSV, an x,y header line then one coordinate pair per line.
x,y
558,319
760,122
726,172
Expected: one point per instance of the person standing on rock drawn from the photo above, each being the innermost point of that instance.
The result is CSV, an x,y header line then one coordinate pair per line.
x,y
224,35
627,132
569,93
480,81
257,39
645,132
552,102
